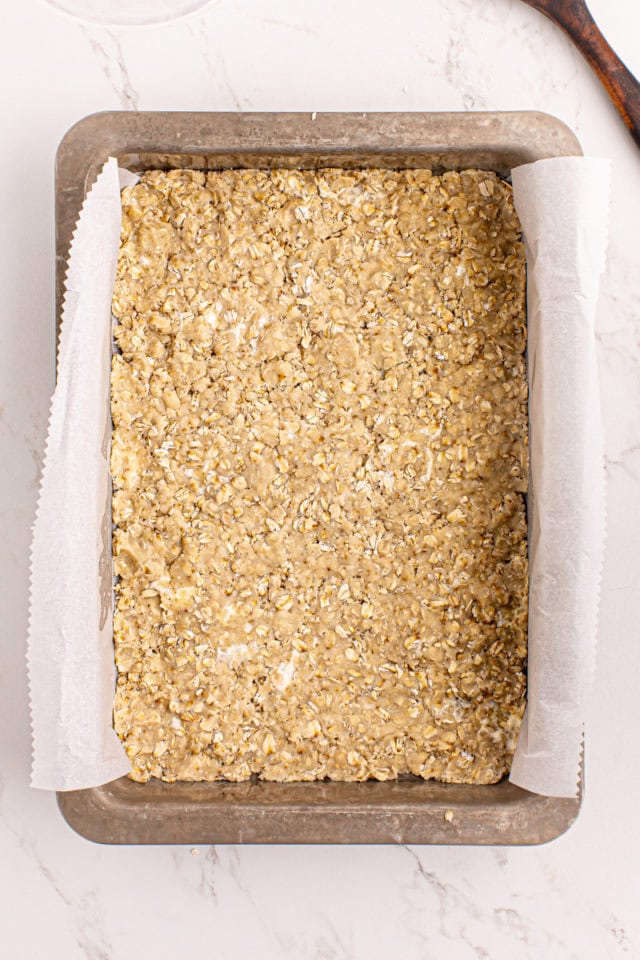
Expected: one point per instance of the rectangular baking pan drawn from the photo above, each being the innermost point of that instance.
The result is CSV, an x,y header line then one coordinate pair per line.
x,y
408,810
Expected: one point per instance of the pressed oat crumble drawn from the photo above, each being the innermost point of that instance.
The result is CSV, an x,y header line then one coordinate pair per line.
x,y
319,458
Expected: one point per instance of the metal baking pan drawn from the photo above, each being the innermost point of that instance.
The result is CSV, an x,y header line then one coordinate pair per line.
x,y
408,810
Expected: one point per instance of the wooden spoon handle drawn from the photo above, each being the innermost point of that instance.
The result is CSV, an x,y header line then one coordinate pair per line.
x,y
621,85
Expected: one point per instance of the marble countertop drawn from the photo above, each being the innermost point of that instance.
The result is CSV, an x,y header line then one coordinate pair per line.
x,y
66,899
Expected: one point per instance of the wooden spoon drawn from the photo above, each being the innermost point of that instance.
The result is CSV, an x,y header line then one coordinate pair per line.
x,y
621,85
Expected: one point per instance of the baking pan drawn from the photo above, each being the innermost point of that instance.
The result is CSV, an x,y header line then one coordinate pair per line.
x,y
408,810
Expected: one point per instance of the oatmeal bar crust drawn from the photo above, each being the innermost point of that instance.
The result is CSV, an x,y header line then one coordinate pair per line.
x,y
319,458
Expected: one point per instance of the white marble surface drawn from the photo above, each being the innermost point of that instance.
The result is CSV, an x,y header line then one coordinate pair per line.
x,y
63,897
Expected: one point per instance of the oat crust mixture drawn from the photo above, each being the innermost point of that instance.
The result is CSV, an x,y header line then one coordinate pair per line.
x,y
319,458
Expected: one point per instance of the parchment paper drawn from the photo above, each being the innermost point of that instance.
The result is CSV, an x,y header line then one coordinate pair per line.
x,y
563,206
70,651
